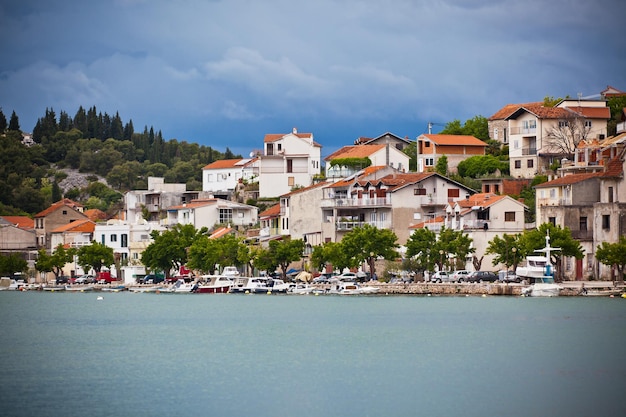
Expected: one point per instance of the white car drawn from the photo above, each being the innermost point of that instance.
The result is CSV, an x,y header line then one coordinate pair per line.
x,y
459,276
440,276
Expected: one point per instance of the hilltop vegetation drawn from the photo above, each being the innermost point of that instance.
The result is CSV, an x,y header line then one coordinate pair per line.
x,y
91,143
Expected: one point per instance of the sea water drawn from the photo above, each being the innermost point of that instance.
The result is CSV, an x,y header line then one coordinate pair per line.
x,y
70,354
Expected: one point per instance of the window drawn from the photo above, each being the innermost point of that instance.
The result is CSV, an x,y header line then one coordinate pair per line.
x,y
279,147
270,149
552,193
529,163
429,162
102,239
563,123
226,216
516,144
582,224
610,194
427,144
552,220
210,178
496,188
453,193
289,165
124,240
291,181
114,238
606,221
496,133
419,191
509,216
487,188
588,124
373,217
64,212
518,164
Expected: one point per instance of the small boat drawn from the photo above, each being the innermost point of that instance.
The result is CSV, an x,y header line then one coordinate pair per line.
x,y
540,285
272,285
351,288
213,284
181,287
79,288
301,288
118,288
53,288
247,285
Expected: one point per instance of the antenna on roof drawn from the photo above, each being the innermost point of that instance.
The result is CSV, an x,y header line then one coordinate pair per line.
x,y
430,126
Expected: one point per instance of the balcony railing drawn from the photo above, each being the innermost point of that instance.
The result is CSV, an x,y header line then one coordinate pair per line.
x,y
476,224
523,130
357,202
529,151
582,234
349,225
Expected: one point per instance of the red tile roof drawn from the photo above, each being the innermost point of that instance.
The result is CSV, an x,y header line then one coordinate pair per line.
x,y
273,137
22,222
592,112
568,180
78,226
310,187
439,219
66,202
270,212
480,200
95,214
227,163
354,151
193,204
509,109
614,168
395,181
222,231
454,140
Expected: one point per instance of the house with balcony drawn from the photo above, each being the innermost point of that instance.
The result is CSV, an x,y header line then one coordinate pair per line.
x,y
540,136
211,212
387,200
288,161
498,125
591,204
152,204
343,162
456,148
58,214
222,177
270,222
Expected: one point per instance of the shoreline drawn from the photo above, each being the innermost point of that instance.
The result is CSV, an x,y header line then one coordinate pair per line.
x,y
569,288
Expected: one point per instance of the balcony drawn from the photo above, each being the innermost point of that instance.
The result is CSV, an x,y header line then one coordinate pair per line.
x,y
476,224
356,202
529,151
582,234
523,130
350,224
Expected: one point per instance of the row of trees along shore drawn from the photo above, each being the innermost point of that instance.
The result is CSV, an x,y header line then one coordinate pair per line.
x,y
185,245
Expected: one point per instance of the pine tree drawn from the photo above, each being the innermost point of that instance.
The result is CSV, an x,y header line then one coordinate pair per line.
x,y
3,121
14,123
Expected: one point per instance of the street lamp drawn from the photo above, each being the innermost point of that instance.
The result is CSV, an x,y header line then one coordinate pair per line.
x,y
441,258
514,259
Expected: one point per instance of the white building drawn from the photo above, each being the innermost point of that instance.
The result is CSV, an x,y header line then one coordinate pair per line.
x,y
288,161
222,177
211,211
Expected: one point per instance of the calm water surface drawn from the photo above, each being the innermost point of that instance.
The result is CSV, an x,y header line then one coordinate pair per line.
x,y
66,354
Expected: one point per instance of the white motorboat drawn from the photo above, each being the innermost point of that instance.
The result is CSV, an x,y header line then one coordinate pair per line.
x,y
541,282
301,288
247,285
350,288
213,284
273,285
181,286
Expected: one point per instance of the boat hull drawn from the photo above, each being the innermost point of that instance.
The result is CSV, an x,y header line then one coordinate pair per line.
x,y
543,290
212,290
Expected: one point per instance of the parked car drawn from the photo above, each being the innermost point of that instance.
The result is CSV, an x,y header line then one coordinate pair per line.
x,y
84,279
62,279
153,279
459,275
508,276
440,276
482,276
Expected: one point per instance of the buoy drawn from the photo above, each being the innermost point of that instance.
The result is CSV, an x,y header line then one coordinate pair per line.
x,y
100,298
247,291
269,292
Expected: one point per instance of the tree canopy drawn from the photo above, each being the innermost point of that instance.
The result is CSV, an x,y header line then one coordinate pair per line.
x,y
96,256
613,254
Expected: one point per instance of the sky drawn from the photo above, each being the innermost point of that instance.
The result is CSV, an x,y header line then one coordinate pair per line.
x,y
225,73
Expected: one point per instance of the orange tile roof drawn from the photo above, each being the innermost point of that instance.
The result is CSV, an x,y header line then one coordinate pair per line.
x,y
78,226
270,212
614,168
95,214
439,219
464,140
509,109
310,187
222,231
569,180
592,112
193,204
394,181
480,200
354,151
224,163
273,137
22,222
66,202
